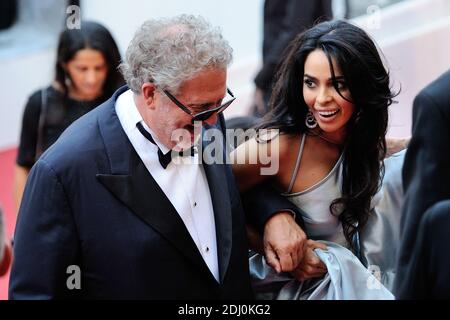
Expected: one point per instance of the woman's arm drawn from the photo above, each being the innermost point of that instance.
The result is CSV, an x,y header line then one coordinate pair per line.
x,y
20,179
26,154
254,163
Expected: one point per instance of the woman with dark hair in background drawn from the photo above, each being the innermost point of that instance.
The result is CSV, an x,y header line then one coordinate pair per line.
x,y
330,105
86,75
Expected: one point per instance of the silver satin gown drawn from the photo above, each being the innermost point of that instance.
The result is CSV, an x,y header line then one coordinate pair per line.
x,y
371,276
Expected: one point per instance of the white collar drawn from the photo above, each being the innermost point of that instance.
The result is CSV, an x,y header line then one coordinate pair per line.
x,y
133,116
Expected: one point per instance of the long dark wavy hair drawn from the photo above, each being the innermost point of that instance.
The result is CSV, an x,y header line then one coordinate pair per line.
x,y
368,83
94,36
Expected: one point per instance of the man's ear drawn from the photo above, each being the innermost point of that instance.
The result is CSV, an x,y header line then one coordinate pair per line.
x,y
148,91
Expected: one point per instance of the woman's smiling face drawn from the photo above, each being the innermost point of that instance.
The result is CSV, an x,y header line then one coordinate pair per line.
x,y
331,111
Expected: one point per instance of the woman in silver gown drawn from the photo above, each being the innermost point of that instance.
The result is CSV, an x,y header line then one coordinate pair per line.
x,y
327,131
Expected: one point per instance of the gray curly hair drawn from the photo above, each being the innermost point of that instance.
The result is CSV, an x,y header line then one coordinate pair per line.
x,y
169,51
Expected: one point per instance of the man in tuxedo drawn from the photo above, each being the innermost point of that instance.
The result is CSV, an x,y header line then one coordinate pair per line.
x,y
426,182
112,210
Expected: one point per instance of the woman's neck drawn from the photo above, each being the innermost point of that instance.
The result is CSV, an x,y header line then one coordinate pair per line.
x,y
337,139
76,95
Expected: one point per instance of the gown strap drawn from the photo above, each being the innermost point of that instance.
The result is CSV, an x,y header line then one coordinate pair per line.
x,y
297,164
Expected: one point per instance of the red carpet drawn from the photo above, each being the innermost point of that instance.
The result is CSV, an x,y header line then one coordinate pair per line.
x,y
7,160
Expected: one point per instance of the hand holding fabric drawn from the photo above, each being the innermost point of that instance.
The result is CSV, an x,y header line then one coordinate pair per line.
x,y
311,266
284,242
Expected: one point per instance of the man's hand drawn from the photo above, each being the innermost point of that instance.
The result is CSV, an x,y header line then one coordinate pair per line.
x,y
284,242
311,266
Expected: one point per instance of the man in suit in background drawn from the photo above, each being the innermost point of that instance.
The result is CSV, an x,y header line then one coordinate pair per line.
x,y
282,21
109,202
426,181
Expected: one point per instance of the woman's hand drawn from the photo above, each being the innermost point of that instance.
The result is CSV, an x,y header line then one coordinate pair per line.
x,y
311,266
394,145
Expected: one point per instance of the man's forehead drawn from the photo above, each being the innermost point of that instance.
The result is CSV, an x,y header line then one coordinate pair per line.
x,y
200,98
207,83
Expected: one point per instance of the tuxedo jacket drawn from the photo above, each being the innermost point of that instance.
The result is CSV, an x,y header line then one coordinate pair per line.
x,y
426,172
428,274
90,202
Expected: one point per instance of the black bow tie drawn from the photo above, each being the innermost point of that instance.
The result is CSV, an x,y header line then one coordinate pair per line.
x,y
164,159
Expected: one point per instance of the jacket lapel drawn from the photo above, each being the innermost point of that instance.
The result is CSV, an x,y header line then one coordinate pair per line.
x,y
220,196
142,195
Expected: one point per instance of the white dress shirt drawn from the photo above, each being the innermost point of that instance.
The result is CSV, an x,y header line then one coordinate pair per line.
x,y
183,182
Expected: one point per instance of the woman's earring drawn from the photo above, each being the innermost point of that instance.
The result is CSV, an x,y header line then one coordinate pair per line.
x,y
310,121
67,81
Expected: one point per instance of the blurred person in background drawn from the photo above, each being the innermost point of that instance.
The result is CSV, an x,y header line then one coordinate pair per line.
x,y
424,260
283,20
85,76
8,13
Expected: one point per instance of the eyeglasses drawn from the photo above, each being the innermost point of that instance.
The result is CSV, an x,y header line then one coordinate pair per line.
x,y
204,115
